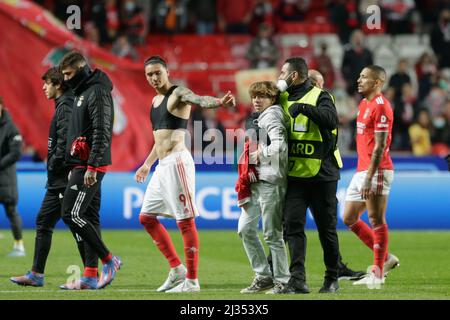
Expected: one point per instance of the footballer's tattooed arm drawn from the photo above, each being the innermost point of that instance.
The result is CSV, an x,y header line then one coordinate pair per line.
x,y
187,96
377,156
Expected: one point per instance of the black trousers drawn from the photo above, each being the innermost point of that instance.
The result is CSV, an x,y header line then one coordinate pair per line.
x,y
320,197
14,219
81,206
49,215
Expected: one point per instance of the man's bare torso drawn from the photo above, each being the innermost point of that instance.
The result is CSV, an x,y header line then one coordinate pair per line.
x,y
168,140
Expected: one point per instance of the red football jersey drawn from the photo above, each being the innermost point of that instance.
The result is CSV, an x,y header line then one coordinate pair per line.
x,y
373,116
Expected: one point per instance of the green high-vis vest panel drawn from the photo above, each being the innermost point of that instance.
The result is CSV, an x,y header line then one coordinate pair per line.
x,y
306,147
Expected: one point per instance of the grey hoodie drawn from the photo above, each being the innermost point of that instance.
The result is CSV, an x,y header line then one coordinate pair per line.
x,y
273,163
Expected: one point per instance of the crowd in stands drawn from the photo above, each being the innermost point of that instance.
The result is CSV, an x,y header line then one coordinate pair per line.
x,y
419,88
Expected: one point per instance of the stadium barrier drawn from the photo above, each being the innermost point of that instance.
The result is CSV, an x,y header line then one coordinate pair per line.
x,y
418,200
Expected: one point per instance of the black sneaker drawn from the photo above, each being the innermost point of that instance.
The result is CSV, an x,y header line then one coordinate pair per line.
x,y
259,284
301,287
329,286
345,273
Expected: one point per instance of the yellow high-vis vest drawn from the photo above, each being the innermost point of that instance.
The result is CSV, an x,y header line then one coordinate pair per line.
x,y
306,147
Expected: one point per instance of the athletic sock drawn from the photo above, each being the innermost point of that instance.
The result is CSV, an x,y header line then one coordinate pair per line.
x,y
191,246
380,248
107,258
364,232
161,238
90,272
18,245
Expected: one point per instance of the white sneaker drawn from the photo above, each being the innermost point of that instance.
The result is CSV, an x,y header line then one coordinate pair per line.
x,y
176,276
390,263
187,285
17,253
371,281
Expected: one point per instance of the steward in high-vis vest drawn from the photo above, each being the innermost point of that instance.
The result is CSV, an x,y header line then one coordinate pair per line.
x,y
313,172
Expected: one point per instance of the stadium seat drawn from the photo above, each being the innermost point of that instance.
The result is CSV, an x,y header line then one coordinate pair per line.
x,y
222,83
335,48
331,39
410,40
412,53
294,27
336,53
425,39
238,46
385,56
291,40
374,41
287,52
309,27
411,46
183,53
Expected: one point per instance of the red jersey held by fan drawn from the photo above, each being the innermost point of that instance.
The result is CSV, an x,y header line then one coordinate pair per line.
x,y
373,116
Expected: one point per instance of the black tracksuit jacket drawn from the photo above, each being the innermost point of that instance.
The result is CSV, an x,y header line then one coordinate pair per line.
x,y
57,170
92,117
10,152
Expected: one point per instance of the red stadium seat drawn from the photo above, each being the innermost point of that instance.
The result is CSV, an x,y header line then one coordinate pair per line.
x,y
309,27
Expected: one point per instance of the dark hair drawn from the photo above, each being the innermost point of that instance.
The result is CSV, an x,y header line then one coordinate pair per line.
x,y
155,60
1,101
72,59
298,64
419,111
55,76
378,72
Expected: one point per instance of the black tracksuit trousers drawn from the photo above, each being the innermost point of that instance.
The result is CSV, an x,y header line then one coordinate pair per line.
x,y
14,219
320,197
81,206
48,216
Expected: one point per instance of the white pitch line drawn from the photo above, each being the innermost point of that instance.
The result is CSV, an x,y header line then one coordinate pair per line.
x,y
117,290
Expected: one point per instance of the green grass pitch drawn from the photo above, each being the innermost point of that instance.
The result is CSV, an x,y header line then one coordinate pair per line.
x,y
224,270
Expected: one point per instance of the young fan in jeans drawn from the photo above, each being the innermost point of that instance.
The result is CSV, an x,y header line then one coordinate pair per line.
x,y
267,195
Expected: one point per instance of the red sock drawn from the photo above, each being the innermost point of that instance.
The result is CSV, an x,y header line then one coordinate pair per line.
x,y
90,272
107,258
363,231
380,248
191,246
161,238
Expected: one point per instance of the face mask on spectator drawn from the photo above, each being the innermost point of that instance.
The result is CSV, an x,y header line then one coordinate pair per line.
x,y
129,6
439,122
443,85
